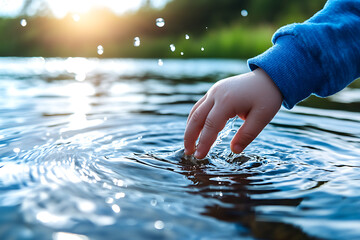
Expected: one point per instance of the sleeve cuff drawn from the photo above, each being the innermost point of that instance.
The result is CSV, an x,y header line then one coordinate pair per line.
x,y
292,68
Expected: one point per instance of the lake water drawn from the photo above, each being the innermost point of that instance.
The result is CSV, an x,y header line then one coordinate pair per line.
x,y
93,149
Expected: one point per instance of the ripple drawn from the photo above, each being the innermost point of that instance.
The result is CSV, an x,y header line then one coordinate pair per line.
x,y
104,157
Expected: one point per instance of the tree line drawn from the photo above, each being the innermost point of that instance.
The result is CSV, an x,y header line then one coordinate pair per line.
x,y
45,35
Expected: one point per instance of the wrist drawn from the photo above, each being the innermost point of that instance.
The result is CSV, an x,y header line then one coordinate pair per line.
x,y
268,86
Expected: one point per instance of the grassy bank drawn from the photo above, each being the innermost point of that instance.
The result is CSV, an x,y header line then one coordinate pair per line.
x,y
235,41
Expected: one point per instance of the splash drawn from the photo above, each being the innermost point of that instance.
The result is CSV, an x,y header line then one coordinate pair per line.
x,y
221,152
215,151
226,131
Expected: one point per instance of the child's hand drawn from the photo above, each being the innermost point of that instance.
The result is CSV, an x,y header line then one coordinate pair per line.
x,y
252,96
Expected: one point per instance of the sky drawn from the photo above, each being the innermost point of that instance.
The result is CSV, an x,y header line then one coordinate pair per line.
x,y
62,7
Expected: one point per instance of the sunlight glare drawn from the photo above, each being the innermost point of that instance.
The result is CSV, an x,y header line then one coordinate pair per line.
x,y
50,219
61,8
79,100
76,17
68,236
78,66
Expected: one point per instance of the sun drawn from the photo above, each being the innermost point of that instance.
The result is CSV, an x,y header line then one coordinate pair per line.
x,y
61,8
64,7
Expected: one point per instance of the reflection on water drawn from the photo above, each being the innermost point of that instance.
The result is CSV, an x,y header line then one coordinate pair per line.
x,y
92,149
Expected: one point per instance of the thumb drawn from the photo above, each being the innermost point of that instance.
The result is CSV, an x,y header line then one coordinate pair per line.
x,y
254,123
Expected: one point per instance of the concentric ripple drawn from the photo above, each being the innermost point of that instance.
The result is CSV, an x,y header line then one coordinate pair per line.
x,y
102,158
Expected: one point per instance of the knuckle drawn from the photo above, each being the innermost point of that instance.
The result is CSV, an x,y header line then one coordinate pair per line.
x,y
247,137
227,99
195,118
209,124
214,89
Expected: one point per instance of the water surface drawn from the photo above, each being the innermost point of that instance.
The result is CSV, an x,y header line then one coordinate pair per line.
x,y
92,149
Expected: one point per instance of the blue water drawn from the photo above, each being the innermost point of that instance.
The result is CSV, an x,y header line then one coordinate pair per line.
x,y
92,149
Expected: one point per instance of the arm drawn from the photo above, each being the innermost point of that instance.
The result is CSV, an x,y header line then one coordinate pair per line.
x,y
320,56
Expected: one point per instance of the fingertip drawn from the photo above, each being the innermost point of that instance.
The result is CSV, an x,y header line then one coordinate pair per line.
x,y
188,152
199,155
189,146
237,148
202,150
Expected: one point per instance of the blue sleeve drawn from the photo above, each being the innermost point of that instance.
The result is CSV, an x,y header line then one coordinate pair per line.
x,y
320,56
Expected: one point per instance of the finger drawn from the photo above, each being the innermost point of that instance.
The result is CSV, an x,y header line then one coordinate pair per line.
x,y
194,126
197,104
255,122
214,123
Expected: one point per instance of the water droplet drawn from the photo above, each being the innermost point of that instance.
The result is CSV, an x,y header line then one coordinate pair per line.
x,y
187,36
160,62
115,208
182,53
136,42
109,200
23,22
206,28
100,50
16,150
202,49
244,13
76,17
153,202
159,224
172,47
160,22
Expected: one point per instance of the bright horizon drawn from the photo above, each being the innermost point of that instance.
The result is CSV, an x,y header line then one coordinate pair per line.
x,y
61,8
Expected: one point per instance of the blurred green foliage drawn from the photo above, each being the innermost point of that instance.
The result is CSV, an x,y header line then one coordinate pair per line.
x,y
215,25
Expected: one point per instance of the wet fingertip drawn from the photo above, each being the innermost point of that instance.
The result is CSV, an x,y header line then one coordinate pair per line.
x,y
237,149
187,152
197,155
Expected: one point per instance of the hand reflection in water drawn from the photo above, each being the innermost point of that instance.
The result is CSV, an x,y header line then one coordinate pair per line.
x,y
234,190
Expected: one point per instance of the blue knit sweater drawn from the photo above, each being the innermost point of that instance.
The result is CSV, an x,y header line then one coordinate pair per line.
x,y
320,56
